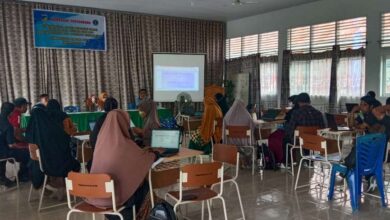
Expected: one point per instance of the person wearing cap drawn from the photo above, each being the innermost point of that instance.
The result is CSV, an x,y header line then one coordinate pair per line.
x,y
21,105
305,115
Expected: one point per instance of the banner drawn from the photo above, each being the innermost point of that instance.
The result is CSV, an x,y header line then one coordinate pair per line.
x,y
54,29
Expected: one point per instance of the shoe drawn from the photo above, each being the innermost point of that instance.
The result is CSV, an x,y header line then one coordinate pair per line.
x,y
7,183
371,185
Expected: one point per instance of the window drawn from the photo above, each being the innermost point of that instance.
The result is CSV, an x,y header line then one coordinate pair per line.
x,y
350,77
386,30
349,34
269,80
266,44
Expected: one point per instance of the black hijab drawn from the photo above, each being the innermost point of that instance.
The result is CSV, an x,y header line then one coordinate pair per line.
x,y
53,143
55,112
221,100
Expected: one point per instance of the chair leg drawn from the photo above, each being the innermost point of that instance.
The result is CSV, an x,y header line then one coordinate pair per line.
x,y
16,173
379,181
29,195
291,160
299,172
134,213
42,193
253,160
209,210
239,199
68,215
93,216
224,207
202,210
331,184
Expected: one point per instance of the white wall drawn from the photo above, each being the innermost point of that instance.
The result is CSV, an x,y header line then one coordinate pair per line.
x,y
320,12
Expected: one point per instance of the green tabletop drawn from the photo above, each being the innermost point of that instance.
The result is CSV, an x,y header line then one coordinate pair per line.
x,y
82,119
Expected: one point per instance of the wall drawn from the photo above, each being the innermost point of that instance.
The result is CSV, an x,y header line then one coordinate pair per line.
x,y
321,12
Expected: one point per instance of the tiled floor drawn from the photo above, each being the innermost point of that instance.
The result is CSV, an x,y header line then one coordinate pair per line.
x,y
271,196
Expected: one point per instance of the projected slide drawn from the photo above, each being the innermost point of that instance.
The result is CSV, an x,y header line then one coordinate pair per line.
x,y
169,78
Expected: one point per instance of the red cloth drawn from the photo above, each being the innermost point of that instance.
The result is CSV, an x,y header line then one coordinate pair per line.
x,y
14,118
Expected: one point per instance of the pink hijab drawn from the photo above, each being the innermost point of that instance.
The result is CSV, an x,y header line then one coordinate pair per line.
x,y
237,115
118,156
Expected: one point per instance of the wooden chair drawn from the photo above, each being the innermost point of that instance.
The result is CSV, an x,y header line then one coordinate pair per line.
x,y
35,156
96,186
244,133
299,130
190,126
228,154
84,154
198,177
319,153
162,178
15,168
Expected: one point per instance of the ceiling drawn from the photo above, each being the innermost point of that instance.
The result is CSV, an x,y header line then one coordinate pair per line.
x,y
221,10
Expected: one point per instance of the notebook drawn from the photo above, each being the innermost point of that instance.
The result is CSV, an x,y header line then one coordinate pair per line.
x,y
168,139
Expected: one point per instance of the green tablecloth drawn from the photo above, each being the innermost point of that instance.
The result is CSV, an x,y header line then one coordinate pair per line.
x,y
82,119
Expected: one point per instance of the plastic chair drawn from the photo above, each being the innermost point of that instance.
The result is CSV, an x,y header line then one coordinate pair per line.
x,y
35,156
244,133
71,109
295,146
369,161
319,153
228,154
15,168
94,186
198,177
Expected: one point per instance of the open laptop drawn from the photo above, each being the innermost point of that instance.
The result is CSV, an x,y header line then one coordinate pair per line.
x,y
168,139
350,106
271,114
333,125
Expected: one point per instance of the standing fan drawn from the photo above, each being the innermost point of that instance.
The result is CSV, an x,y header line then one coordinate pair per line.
x,y
184,104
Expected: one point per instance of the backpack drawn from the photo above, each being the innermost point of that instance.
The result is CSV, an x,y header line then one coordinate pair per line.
x,y
162,211
269,157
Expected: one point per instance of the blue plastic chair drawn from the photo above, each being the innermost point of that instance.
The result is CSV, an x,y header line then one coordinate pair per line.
x,y
369,162
71,109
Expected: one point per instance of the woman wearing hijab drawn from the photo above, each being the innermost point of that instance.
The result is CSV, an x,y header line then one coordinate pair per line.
x,y
53,143
202,138
100,102
148,111
238,115
56,114
120,157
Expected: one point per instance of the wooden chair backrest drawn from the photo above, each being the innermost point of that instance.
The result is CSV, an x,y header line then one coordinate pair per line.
x,y
225,153
199,175
164,178
341,119
238,131
312,142
89,185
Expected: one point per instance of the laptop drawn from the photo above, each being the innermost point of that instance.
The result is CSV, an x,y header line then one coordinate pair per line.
x,y
271,114
92,125
333,125
168,139
350,106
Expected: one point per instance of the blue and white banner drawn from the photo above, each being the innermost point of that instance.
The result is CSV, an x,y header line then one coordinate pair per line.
x,y
54,29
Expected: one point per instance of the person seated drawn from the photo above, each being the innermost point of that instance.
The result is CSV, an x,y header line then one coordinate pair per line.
x,y
56,114
371,93
382,114
142,96
21,106
100,102
148,112
91,103
305,115
7,149
201,139
55,154
120,157
365,121
221,100
44,99
252,109
238,115
293,105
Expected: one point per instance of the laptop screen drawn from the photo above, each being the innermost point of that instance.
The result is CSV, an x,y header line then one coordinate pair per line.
x,y
169,139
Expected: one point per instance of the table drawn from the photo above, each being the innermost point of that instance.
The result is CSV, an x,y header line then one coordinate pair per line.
x,y
82,119
269,125
340,136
